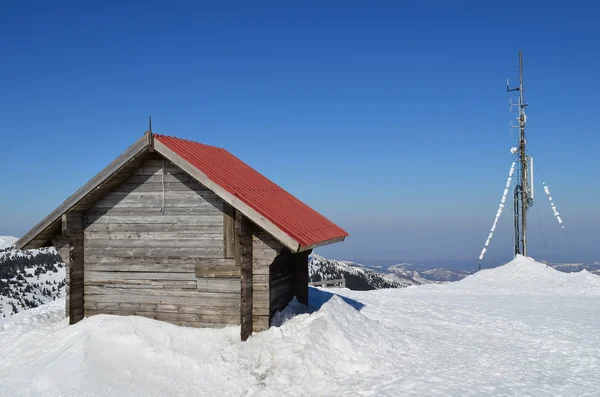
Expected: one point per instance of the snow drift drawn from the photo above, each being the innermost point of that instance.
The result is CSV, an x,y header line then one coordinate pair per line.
x,y
521,329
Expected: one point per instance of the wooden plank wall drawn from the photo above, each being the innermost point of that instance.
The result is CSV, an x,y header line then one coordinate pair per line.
x,y
243,258
278,276
264,251
69,245
160,256
281,279
300,264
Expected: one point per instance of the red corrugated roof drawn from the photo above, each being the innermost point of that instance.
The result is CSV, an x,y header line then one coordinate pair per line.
x,y
285,211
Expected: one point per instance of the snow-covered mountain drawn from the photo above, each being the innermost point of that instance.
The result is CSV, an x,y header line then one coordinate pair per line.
x,y
7,241
429,275
577,267
522,329
358,277
29,278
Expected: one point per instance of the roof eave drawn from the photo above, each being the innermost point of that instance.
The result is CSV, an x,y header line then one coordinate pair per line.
x,y
322,243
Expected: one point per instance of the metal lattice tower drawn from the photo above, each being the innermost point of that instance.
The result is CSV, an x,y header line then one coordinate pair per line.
x,y
523,194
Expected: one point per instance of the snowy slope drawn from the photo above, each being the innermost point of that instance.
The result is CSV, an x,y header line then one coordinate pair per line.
x,y
519,330
358,277
29,278
7,241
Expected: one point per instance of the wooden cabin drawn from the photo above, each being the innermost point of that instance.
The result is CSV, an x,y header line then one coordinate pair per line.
x,y
186,233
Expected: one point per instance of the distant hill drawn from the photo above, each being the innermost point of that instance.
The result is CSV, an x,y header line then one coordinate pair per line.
x,y
29,278
7,241
358,277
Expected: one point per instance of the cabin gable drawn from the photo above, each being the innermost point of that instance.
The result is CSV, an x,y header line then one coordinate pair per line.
x,y
149,245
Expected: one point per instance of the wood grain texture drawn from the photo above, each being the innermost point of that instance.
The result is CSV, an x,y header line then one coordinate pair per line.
x,y
217,271
243,259
228,230
265,249
160,258
72,230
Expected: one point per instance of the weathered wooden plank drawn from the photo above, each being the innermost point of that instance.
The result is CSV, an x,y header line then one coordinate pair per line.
x,y
155,211
99,291
140,284
72,230
163,252
165,308
151,229
170,187
219,271
266,255
170,317
300,261
260,323
209,241
187,219
164,299
156,167
135,266
120,276
259,269
136,200
157,178
242,251
123,193
154,235
264,241
199,325
228,285
99,259
228,230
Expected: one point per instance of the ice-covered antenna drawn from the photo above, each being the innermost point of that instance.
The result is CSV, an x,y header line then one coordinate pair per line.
x,y
531,193
523,198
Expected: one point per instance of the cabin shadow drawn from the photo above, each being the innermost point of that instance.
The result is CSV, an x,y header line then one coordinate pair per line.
x,y
318,297
316,300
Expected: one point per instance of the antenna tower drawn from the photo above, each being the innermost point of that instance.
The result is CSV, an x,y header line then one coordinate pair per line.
x,y
523,195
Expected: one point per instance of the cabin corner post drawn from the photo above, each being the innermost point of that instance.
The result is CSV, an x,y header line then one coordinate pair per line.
x,y
300,264
72,233
243,259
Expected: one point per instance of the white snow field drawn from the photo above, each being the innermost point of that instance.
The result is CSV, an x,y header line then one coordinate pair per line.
x,y
519,330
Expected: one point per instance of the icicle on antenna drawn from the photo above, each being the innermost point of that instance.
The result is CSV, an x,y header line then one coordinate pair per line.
x,y
554,210
498,213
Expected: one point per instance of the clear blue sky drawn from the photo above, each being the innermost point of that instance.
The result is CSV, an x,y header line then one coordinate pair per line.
x,y
388,117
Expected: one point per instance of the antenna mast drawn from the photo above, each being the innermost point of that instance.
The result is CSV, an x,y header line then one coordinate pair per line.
x,y
523,198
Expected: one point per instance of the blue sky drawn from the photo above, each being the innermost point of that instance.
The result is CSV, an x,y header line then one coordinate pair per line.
x,y
388,117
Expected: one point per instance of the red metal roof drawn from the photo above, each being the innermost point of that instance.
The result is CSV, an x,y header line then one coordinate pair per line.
x,y
285,211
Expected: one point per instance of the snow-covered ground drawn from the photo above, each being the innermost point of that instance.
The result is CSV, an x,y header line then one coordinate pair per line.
x,y
519,330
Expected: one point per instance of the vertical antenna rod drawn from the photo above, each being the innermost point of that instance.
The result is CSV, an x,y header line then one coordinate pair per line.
x,y
523,158
150,124
522,191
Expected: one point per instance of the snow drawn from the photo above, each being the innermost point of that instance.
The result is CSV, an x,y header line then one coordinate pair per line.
x,y
7,241
47,274
499,212
522,329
